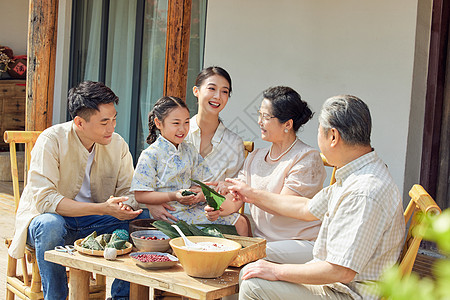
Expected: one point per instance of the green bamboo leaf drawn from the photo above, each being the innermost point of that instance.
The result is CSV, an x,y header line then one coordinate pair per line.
x,y
213,198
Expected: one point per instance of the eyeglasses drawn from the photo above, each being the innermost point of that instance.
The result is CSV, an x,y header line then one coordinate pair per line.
x,y
264,116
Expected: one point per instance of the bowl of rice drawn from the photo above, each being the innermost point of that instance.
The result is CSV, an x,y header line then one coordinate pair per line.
x,y
210,260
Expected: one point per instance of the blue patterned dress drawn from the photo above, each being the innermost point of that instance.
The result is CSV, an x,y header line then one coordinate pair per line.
x,y
164,168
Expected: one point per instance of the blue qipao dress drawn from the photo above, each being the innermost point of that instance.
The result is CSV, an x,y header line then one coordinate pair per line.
x,y
164,168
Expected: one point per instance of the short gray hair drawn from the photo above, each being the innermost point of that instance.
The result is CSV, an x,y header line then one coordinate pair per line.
x,y
350,116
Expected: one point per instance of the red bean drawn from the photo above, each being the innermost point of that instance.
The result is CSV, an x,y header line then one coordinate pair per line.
x,y
151,258
152,238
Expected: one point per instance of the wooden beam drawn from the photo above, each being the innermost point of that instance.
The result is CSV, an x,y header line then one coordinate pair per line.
x,y
42,25
177,47
434,96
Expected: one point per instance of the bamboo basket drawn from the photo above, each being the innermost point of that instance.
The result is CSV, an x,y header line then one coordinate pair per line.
x,y
254,249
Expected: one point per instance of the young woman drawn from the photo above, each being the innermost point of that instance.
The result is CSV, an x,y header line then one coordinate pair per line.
x,y
222,149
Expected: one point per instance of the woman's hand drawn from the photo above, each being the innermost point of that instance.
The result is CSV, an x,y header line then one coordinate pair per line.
x,y
212,214
200,196
187,200
219,186
222,187
160,211
240,191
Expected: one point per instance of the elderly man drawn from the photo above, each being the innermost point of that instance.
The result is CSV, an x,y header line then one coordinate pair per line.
x,y
78,182
362,223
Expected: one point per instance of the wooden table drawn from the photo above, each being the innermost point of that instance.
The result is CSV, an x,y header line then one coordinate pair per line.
x,y
143,282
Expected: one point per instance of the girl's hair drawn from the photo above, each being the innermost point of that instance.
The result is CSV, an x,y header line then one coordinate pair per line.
x,y
287,104
211,71
161,110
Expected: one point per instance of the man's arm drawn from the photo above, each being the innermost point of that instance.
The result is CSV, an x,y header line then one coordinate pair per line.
x,y
321,272
113,207
280,204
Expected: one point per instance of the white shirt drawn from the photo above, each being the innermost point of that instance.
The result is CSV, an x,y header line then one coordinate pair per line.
x,y
227,155
84,195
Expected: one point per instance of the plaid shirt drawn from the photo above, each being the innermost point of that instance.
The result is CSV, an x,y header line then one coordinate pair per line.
x,y
362,223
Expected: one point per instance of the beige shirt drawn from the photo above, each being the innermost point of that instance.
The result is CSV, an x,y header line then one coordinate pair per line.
x,y
362,223
302,171
58,164
227,156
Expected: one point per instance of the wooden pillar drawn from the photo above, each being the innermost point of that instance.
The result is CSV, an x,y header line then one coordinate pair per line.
x,y
42,25
177,47
434,96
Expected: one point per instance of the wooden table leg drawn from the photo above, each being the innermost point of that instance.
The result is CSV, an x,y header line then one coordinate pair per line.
x,y
78,284
139,292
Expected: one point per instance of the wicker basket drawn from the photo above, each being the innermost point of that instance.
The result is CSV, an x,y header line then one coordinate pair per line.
x,y
254,249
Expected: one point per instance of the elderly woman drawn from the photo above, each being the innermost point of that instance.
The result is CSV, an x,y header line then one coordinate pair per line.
x,y
289,167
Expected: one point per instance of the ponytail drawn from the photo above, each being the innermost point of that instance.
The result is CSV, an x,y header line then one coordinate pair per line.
x,y
161,109
152,129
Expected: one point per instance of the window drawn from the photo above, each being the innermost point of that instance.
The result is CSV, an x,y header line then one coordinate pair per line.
x,y
123,44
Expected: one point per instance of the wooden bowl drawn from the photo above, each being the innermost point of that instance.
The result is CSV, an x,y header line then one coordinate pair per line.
x,y
205,264
80,249
141,224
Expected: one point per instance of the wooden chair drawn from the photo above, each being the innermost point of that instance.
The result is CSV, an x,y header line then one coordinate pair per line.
x,y
248,147
28,286
420,201
326,164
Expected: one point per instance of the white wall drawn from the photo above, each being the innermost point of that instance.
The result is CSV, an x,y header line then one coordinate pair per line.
x,y
14,25
320,48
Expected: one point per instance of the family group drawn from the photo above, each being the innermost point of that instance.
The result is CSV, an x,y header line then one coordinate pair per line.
x,y
322,243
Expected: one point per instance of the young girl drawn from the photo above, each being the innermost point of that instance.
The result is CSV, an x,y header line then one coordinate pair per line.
x,y
165,168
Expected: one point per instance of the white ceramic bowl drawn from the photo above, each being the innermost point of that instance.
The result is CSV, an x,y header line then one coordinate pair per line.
x,y
150,245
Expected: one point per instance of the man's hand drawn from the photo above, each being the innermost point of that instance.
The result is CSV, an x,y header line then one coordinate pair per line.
x,y
212,214
114,207
160,211
260,269
240,191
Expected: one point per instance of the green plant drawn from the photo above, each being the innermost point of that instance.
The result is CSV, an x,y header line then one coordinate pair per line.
x,y
393,286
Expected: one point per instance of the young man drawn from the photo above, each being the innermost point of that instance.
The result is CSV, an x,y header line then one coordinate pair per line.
x,y
362,217
78,182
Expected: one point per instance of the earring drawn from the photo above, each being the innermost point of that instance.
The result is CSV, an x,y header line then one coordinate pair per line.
x,y
286,130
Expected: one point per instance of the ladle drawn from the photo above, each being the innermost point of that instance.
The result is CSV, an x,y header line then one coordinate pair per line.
x,y
187,242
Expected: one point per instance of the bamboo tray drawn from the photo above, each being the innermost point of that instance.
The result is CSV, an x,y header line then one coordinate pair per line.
x,y
80,249
254,249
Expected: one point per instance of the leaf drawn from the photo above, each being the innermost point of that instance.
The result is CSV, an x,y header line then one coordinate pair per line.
x,y
166,228
118,244
225,229
213,198
212,231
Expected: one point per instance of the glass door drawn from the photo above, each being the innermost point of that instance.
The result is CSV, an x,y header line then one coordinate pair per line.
x,y
123,44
